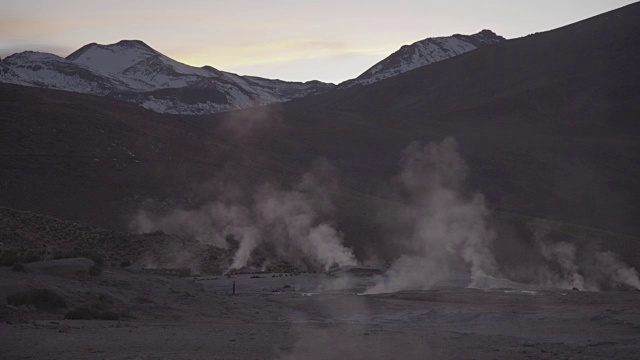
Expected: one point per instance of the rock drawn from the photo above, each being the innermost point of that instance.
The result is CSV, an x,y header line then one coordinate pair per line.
x,y
10,314
64,328
71,268
134,268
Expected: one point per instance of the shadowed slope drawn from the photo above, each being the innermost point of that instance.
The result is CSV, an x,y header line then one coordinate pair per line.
x,y
547,124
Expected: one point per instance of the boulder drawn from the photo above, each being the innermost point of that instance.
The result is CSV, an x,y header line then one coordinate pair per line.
x,y
134,268
72,268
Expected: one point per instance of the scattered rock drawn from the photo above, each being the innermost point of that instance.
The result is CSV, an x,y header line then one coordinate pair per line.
x,y
64,328
69,268
135,268
14,308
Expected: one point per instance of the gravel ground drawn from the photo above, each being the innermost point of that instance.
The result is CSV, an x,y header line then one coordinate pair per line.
x,y
314,316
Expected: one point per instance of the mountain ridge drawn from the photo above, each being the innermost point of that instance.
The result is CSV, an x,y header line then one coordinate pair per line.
x,y
421,53
131,70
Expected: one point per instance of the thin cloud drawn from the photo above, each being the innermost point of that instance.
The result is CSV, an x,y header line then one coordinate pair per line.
x,y
333,68
25,28
274,52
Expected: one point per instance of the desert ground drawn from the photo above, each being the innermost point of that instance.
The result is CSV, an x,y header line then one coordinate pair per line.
x,y
308,316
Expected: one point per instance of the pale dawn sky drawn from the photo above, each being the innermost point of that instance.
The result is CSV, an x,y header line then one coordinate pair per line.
x,y
326,40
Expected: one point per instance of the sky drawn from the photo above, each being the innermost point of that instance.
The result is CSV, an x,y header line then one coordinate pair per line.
x,y
295,40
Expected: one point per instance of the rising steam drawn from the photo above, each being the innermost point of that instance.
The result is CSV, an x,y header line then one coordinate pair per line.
x,y
295,222
445,232
449,237
448,231
567,267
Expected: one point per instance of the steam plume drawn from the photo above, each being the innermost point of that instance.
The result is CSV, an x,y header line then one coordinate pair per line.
x,y
448,231
246,123
564,255
568,268
296,221
611,266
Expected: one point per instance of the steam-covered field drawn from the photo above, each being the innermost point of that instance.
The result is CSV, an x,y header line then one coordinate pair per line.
x,y
439,230
449,284
320,316
444,284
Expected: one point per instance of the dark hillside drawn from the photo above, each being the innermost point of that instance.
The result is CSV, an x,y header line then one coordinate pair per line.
x,y
548,122
548,125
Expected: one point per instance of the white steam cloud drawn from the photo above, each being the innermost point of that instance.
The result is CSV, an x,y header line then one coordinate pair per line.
x,y
565,267
296,221
448,232
610,266
449,238
564,255
246,123
445,235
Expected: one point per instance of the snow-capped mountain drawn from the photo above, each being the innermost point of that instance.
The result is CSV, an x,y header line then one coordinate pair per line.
x,y
421,53
131,70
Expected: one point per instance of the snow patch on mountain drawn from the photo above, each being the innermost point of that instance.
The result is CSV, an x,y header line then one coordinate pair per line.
x,y
421,53
50,71
132,71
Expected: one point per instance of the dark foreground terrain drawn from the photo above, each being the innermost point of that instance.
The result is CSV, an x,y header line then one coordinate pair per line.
x,y
308,316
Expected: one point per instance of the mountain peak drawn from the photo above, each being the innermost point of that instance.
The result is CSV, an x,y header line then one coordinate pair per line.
x,y
30,56
487,32
424,52
112,58
133,44
122,44
485,36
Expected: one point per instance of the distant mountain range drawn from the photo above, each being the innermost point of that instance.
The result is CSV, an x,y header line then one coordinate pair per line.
x,y
132,71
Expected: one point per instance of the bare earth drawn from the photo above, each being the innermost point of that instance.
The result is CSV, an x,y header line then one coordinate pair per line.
x,y
292,317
